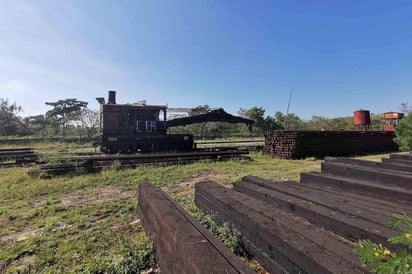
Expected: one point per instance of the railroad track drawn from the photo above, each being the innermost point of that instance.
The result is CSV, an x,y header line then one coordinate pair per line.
x,y
12,157
231,145
97,162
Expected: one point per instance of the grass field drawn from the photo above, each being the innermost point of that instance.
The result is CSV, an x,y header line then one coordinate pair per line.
x,y
89,223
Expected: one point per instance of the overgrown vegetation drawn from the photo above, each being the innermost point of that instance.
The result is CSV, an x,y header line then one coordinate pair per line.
x,y
89,223
385,261
404,133
69,117
228,235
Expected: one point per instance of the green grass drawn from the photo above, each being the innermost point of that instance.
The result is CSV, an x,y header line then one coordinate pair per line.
x,y
89,223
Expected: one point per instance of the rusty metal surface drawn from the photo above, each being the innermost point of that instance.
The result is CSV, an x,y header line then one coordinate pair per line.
x,y
361,117
391,115
130,128
218,115
302,144
111,97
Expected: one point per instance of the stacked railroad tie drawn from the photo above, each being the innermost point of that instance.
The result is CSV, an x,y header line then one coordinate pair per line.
x,y
301,144
183,245
311,226
289,227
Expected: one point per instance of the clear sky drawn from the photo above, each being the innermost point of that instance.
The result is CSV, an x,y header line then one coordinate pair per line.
x,y
338,56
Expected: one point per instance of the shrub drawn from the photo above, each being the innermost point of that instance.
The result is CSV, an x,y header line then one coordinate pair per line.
x,y
403,133
384,260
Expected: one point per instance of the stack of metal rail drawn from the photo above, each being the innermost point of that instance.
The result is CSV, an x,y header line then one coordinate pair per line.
x,y
302,144
10,157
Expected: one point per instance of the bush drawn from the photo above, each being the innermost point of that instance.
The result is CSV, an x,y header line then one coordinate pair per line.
x,y
403,133
384,260
227,234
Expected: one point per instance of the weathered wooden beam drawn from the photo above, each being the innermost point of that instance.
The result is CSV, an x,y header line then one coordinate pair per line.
x,y
371,189
183,245
332,216
295,244
368,173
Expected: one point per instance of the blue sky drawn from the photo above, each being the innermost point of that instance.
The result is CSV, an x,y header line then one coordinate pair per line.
x,y
338,56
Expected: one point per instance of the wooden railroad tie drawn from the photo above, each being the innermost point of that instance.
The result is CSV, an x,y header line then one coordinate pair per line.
x,y
183,245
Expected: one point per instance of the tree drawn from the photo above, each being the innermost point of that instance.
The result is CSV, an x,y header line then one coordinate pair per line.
x,y
39,122
318,123
89,119
199,110
288,122
405,108
403,133
10,122
342,123
271,124
65,111
256,114
199,129
384,260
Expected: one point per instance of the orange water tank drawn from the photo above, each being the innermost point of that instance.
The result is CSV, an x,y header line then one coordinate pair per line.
x,y
391,115
361,117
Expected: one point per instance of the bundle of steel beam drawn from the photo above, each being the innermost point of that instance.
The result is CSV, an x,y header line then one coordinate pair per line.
x,y
302,144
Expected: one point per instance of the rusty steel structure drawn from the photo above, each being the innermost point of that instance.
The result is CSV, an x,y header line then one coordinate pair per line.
x,y
362,119
130,128
390,120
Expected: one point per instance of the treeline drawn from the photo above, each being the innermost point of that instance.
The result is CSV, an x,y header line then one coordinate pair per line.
x,y
70,118
66,118
278,121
